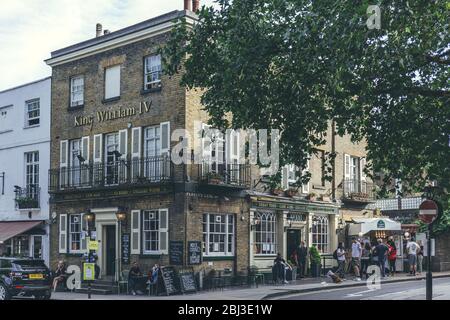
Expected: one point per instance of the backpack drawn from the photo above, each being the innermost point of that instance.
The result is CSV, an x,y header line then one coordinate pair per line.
x,y
335,256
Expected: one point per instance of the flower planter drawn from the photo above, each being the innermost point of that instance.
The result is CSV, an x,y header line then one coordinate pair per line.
x,y
290,193
215,181
277,192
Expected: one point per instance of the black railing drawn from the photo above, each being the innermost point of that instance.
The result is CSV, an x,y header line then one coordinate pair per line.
x,y
225,174
28,198
120,172
358,190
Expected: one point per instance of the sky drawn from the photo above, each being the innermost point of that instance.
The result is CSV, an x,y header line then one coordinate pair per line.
x,y
31,29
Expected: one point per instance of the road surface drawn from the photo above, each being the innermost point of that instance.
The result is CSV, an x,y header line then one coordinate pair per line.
x,y
408,290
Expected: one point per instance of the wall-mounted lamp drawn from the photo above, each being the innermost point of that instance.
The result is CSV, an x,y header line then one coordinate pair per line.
x,y
121,215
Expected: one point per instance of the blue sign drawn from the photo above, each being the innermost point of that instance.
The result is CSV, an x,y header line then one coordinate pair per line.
x,y
381,224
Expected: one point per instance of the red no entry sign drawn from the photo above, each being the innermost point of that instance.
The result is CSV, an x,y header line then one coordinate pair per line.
x,y
428,211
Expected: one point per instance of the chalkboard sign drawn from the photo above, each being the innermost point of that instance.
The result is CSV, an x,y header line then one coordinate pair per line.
x,y
187,280
195,252
176,250
170,279
125,248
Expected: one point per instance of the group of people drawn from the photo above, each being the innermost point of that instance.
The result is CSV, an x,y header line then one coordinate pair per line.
x,y
137,281
381,254
298,258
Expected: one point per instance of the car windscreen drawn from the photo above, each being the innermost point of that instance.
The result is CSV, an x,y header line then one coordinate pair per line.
x,y
29,264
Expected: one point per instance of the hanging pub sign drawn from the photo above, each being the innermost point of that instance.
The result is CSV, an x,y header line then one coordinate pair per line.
x,y
194,252
125,247
176,251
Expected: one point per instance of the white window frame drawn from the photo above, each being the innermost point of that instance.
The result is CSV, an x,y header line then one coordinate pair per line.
x,y
291,170
229,237
321,228
70,233
76,90
156,231
150,68
109,91
265,229
115,165
32,173
36,105
152,166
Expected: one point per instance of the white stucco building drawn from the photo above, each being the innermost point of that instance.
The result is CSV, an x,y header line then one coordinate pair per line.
x,y
24,164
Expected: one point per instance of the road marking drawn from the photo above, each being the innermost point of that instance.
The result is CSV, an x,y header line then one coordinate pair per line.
x,y
358,294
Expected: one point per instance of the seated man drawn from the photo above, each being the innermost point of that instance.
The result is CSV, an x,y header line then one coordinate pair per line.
x,y
135,279
279,269
60,274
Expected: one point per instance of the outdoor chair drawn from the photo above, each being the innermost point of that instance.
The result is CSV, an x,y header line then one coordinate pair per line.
x,y
123,281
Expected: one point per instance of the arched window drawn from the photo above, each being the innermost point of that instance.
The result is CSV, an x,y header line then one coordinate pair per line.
x,y
320,233
265,233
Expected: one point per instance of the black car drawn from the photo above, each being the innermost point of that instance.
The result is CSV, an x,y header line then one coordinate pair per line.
x,y
24,277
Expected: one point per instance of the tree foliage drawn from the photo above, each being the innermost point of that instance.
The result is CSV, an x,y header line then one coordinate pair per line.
x,y
297,65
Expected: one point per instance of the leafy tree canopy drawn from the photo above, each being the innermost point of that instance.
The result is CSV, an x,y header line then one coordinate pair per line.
x,y
297,65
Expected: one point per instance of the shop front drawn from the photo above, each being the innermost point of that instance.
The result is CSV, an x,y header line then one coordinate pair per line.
x,y
371,229
280,224
25,239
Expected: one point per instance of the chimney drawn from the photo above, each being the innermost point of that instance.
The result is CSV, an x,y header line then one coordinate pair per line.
x,y
98,29
187,5
195,5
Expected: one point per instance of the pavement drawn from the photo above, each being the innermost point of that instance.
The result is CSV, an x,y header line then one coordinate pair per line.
x,y
303,287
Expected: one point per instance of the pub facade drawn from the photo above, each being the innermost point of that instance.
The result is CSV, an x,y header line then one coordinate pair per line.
x,y
114,114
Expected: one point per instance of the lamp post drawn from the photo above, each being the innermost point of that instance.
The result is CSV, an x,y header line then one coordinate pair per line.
x,y
121,216
89,217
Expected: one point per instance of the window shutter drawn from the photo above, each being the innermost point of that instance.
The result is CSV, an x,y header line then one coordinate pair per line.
x,y
165,148
63,233
112,82
284,177
346,166
85,155
135,231
165,138
136,142
83,238
98,139
362,165
123,143
206,150
305,186
63,162
164,231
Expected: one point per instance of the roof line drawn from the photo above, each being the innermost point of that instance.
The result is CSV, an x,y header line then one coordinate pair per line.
x,y
26,84
176,14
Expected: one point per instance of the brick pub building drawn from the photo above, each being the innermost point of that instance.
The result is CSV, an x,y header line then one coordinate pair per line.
x,y
113,113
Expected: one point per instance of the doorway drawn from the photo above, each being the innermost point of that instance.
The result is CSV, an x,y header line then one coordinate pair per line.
x,y
110,250
36,247
292,241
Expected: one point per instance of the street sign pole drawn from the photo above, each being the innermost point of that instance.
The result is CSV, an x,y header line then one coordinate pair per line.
x,y
429,285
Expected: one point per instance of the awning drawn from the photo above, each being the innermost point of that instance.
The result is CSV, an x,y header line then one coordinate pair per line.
x,y
9,229
373,224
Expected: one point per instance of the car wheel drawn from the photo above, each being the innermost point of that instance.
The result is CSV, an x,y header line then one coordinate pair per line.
x,y
4,294
44,295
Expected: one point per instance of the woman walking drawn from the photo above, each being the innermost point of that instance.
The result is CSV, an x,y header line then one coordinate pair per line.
x,y
392,256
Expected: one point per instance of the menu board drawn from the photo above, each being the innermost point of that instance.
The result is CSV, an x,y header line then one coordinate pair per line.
x,y
195,252
170,280
125,248
176,250
187,280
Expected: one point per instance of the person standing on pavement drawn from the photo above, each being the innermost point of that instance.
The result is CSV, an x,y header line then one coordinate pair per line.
x,y
365,259
356,258
412,248
340,257
392,256
420,258
382,251
302,254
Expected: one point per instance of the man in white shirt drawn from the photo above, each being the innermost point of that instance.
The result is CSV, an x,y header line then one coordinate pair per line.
x,y
412,248
356,258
